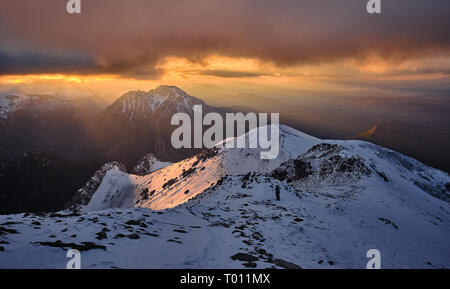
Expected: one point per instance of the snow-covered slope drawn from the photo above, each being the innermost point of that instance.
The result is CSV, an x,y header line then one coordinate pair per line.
x,y
84,195
34,104
335,164
148,164
179,182
112,173
115,191
236,226
339,199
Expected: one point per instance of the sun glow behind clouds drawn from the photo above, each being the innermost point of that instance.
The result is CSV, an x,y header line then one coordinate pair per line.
x,y
30,78
213,66
233,75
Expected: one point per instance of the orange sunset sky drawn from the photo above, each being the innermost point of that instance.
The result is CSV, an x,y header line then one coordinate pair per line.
x,y
220,49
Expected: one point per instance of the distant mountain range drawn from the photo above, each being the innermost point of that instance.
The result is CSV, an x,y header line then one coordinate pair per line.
x,y
62,131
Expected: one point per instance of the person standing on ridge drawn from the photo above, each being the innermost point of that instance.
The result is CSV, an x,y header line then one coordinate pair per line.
x,y
277,192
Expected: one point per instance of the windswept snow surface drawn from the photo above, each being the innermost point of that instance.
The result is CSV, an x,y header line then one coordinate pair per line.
x,y
339,199
116,190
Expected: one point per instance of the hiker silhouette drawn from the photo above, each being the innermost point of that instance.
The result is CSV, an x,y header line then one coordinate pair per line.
x,y
277,192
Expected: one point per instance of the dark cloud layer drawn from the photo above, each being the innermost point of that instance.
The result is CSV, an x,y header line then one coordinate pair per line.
x,y
38,63
131,37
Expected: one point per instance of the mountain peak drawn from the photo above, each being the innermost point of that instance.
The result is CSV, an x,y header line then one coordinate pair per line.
x,y
138,104
161,92
168,92
168,89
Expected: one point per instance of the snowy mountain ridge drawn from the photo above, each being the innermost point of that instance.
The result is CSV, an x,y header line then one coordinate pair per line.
x,y
179,182
315,163
339,199
12,102
83,196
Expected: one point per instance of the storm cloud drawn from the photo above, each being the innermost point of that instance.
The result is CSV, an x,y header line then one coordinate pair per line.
x,y
131,38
